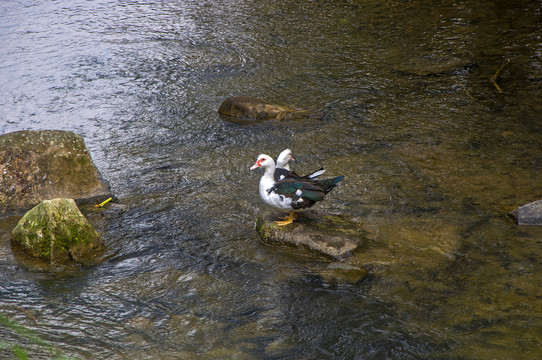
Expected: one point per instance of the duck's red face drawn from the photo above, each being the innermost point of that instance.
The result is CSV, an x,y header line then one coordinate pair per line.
x,y
261,161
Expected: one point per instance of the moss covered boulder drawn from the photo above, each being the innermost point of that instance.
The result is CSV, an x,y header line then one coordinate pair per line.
x,y
48,164
55,231
330,235
250,109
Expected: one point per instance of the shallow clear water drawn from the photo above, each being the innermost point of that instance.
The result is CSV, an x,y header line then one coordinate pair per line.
x,y
433,155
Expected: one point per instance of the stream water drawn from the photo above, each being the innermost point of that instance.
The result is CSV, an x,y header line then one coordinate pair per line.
x,y
431,109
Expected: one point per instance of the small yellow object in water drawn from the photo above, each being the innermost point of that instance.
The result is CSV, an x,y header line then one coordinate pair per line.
x,y
102,203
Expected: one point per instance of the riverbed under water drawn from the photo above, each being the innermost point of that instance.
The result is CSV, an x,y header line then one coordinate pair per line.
x,y
430,109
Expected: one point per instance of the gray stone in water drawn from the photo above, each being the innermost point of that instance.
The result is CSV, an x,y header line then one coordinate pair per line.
x,y
529,214
48,164
55,231
327,234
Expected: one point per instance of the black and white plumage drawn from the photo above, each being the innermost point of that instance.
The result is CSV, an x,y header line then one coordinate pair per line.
x,y
291,193
283,164
283,170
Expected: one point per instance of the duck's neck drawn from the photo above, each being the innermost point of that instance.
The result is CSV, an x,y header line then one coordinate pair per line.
x,y
268,179
269,173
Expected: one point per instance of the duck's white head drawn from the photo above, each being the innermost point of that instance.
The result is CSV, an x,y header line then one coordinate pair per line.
x,y
264,161
284,159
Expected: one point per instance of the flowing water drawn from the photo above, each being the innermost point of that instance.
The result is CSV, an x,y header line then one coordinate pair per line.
x,y
431,109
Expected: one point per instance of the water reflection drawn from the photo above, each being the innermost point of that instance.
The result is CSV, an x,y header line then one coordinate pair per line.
x,y
433,155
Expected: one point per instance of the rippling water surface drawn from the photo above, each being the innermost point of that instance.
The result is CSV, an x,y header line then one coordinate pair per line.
x,y
434,155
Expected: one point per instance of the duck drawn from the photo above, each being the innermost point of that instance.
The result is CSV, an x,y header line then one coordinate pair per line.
x,y
290,194
283,164
283,170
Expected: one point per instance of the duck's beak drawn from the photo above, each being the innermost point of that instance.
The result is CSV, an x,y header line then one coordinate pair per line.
x,y
256,165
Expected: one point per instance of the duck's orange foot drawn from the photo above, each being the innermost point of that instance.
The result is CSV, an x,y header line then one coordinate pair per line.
x,y
289,220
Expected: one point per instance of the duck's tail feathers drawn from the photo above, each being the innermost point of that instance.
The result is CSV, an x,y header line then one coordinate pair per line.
x,y
329,184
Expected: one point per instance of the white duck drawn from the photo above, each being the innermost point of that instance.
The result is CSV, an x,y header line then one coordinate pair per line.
x,y
283,164
283,167
292,193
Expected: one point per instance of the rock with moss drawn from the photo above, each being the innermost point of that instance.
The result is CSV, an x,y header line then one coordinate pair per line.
x,y
57,232
250,109
48,164
329,235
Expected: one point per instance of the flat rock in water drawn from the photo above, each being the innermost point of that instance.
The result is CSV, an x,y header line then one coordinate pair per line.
x,y
529,214
330,235
249,109
48,164
55,231
343,272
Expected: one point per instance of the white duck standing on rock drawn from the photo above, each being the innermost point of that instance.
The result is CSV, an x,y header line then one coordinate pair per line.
x,y
291,193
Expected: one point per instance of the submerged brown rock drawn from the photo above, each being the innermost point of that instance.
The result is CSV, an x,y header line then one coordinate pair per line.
x,y
246,109
40,165
55,231
330,235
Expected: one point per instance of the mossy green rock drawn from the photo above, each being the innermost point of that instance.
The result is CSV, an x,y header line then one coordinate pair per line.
x,y
250,109
48,164
56,232
330,235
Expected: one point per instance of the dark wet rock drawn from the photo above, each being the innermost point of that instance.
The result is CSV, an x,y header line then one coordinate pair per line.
x,y
529,214
250,109
48,164
330,235
55,231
